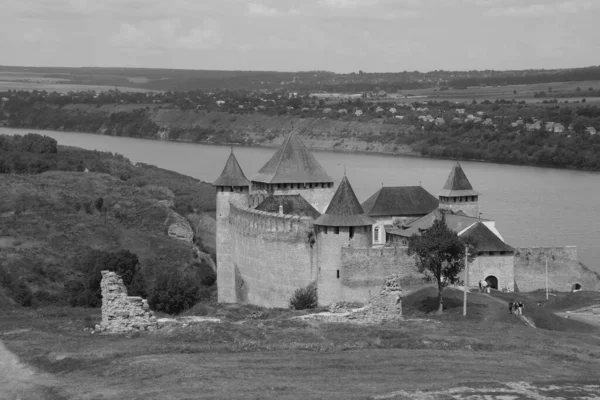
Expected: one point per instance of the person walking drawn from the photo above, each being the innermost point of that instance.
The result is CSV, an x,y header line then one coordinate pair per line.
x,y
510,306
521,306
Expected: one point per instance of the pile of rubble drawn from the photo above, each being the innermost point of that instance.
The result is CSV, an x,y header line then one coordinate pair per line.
x,y
384,307
120,312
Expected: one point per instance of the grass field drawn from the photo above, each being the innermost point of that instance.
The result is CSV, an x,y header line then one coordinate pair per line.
x,y
523,92
35,84
255,353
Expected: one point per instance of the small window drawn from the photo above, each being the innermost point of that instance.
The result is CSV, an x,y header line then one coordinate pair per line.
x,y
338,274
351,232
336,230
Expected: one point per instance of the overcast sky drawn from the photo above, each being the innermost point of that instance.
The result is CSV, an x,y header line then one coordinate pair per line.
x,y
290,35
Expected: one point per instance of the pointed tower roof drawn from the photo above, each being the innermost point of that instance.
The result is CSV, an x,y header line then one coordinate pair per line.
x,y
344,209
232,174
292,163
457,184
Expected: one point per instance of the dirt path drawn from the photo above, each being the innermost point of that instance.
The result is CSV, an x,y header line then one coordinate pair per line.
x,y
523,318
18,381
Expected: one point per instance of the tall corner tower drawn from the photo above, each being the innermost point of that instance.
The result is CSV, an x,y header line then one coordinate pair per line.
x,y
343,224
458,194
294,170
232,188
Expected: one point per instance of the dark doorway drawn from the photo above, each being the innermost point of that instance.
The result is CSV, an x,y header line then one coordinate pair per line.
x,y
492,282
577,286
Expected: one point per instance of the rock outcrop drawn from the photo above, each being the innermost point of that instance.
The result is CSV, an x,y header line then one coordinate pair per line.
x,y
120,312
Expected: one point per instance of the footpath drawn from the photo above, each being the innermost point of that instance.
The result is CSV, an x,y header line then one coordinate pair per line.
x,y
523,318
18,381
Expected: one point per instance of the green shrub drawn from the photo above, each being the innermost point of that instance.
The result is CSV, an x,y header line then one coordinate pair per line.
x,y
304,298
85,290
174,292
22,294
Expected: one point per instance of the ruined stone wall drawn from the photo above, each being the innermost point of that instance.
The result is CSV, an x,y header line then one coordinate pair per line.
x,y
564,270
363,270
272,256
500,266
122,313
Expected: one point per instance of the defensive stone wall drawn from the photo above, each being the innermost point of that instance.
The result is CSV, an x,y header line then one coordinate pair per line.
x,y
564,270
564,253
122,313
272,254
363,270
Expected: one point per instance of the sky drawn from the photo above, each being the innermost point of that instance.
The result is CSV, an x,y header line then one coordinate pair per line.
x,y
291,35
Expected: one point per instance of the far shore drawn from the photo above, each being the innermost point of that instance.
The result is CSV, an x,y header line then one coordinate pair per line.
x,y
311,146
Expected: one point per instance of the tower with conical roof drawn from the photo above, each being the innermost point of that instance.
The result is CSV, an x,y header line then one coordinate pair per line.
x,y
458,194
294,170
232,188
344,224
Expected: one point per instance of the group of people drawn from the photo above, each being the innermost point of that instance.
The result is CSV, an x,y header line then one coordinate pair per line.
x,y
484,286
516,307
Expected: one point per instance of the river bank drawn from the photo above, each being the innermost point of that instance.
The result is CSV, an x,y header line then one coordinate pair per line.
x,y
314,144
378,135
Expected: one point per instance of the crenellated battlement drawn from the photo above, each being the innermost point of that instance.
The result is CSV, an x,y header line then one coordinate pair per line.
x,y
251,220
550,253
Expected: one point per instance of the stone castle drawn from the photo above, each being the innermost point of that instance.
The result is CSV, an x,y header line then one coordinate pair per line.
x,y
288,227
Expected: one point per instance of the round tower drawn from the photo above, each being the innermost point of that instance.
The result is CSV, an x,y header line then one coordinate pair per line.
x,y
344,224
294,170
458,194
232,187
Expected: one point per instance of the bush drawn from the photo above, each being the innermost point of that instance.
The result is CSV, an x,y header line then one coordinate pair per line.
x,y
174,292
85,291
304,298
22,294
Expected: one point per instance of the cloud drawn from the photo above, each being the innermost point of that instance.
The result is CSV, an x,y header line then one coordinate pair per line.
x,y
262,10
201,38
540,9
349,3
130,35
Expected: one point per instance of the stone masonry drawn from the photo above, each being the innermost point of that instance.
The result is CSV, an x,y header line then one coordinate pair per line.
x,y
122,313
386,306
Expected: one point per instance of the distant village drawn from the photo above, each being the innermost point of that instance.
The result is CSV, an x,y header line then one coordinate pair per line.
x,y
378,106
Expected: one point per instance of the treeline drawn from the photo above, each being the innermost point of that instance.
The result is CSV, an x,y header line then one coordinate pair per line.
x,y
33,154
134,123
538,148
539,76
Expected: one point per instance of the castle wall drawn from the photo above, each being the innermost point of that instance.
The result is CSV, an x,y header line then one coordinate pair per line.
x,y
225,268
319,198
363,270
500,266
470,208
272,256
564,270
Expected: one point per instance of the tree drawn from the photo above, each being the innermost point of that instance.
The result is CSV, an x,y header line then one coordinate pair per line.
x,y
439,252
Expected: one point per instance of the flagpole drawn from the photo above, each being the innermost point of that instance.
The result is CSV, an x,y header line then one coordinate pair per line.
x,y
466,282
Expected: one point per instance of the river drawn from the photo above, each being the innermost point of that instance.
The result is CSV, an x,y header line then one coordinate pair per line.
x,y
531,206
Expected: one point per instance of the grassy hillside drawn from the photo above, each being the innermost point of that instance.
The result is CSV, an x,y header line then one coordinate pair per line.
x,y
50,221
257,353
